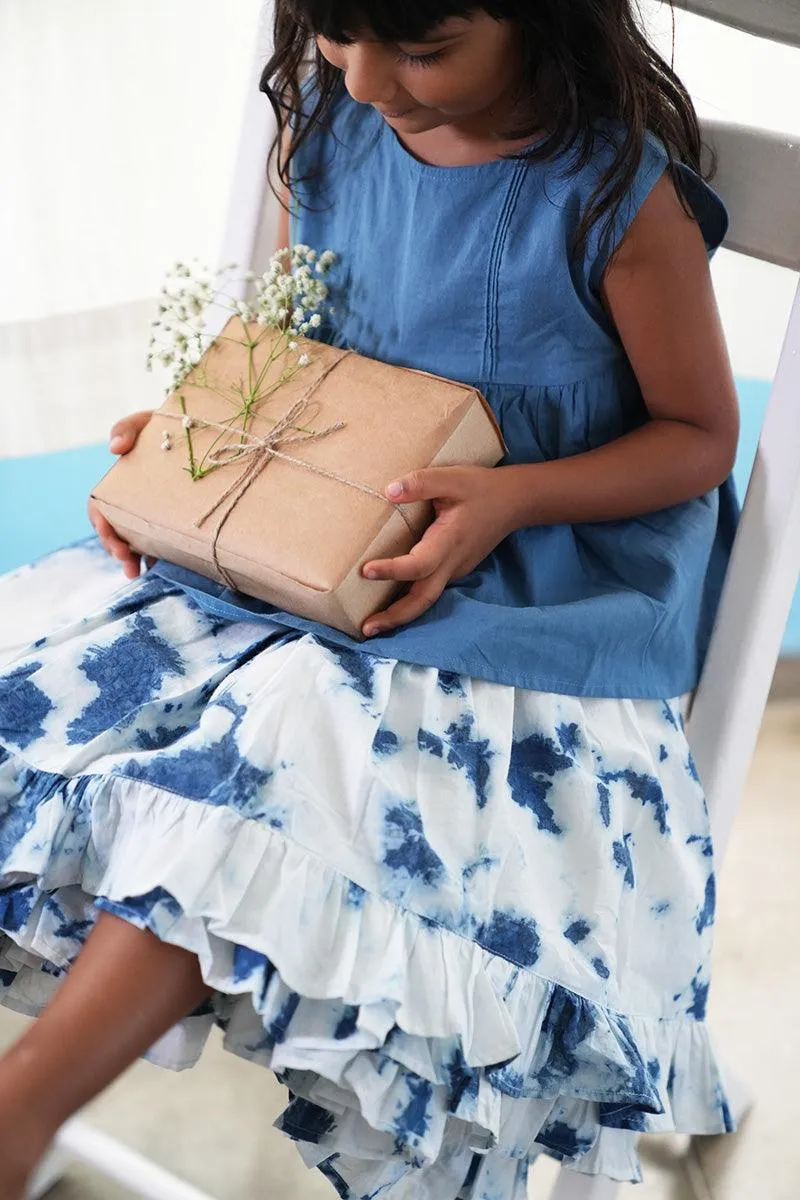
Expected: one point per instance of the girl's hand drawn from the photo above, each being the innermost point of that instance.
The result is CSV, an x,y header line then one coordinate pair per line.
x,y
471,519
124,436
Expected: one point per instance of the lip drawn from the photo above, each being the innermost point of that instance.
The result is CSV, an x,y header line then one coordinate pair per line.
x,y
394,116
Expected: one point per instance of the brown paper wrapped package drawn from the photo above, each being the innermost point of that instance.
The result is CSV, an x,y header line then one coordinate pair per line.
x,y
295,538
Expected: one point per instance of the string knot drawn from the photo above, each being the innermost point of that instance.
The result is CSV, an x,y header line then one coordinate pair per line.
x,y
259,451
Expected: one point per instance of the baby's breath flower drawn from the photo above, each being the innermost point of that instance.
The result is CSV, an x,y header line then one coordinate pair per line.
x,y
304,360
287,296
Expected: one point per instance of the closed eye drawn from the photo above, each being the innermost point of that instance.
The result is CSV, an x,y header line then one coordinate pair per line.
x,y
420,60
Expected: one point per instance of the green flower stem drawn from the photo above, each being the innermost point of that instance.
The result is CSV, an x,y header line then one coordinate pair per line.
x,y
188,432
207,386
217,439
245,398
273,354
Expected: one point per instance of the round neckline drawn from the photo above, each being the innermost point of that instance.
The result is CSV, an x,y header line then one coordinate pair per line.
x,y
418,164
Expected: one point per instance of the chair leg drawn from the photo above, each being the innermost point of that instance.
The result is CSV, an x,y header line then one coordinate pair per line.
x,y
570,1185
78,1140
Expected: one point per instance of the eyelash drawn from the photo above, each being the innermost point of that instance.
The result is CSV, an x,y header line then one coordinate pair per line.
x,y
420,60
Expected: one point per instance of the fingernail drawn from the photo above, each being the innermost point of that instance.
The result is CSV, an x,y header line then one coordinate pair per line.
x,y
115,444
394,491
371,630
370,574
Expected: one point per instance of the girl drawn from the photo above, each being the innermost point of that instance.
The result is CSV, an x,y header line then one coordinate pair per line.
x,y
453,884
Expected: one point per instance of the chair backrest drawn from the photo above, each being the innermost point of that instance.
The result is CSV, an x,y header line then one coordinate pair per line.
x,y
778,20
759,178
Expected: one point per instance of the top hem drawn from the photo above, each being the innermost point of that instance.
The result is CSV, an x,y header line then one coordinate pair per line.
x,y
212,599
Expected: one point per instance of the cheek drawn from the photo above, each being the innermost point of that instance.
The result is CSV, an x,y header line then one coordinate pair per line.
x,y
459,95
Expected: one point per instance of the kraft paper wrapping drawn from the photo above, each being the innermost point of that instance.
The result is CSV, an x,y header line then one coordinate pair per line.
x,y
295,538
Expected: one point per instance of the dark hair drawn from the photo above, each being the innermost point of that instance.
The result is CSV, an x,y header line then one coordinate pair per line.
x,y
586,62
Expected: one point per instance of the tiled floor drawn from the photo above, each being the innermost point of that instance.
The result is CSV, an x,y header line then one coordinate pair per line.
x,y
212,1125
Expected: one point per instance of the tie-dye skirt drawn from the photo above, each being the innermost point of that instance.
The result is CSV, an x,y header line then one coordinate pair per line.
x,y
464,924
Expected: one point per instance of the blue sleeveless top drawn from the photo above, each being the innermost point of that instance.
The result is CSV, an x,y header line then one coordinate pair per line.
x,y
467,272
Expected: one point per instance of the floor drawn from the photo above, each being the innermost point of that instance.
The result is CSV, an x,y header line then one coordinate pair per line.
x,y
212,1125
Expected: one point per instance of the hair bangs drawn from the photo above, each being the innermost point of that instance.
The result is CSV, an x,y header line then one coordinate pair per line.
x,y
403,21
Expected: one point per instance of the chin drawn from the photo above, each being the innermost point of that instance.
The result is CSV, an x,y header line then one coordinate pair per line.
x,y
417,121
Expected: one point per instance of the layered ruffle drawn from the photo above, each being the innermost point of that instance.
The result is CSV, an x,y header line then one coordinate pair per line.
x,y
417,1061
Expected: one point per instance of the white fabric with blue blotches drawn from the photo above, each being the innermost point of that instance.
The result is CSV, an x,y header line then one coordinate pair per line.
x,y
465,923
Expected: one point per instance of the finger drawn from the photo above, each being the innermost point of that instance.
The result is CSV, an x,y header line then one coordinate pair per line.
x,y
433,483
132,567
121,550
419,599
125,432
102,526
406,568
112,543
117,546
429,555
104,529
130,563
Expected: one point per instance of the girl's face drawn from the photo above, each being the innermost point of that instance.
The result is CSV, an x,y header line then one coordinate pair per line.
x,y
462,74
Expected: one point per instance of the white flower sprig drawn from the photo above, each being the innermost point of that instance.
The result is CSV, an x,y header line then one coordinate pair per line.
x,y
289,296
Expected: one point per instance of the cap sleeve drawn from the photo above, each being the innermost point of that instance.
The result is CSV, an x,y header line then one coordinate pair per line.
x,y
606,235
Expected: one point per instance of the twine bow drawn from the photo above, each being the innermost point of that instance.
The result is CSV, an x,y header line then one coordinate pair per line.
x,y
261,450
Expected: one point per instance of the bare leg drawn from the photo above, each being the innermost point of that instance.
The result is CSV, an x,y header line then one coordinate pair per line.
x,y
124,991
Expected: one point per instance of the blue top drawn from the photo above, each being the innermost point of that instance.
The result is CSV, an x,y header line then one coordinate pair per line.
x,y
467,272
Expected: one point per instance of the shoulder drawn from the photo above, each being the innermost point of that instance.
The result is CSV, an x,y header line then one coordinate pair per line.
x,y
661,231
655,193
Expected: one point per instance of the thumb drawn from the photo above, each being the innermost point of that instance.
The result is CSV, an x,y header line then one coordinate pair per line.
x,y
126,431
434,483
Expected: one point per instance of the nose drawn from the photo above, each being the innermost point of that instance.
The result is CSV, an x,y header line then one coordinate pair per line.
x,y
368,76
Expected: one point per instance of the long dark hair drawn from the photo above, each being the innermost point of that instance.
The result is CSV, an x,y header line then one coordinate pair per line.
x,y
586,62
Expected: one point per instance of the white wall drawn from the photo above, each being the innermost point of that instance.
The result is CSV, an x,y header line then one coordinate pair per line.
x,y
117,157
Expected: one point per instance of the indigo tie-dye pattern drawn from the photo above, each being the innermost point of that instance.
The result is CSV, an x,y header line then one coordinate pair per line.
x,y
465,923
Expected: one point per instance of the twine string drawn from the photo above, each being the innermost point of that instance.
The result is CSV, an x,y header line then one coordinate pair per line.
x,y
261,450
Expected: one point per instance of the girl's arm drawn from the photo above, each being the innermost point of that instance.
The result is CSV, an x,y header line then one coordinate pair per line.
x,y
658,292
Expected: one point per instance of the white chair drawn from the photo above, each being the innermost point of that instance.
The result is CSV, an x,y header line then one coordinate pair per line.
x,y
759,177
